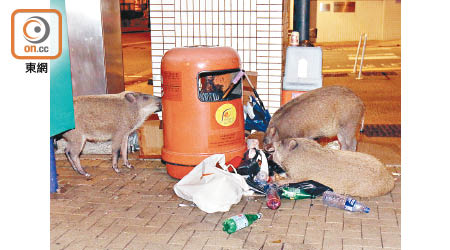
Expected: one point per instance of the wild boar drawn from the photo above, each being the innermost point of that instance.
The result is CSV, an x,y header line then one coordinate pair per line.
x,y
346,172
107,117
323,112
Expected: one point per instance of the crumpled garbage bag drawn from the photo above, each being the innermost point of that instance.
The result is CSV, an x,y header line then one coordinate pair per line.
x,y
311,187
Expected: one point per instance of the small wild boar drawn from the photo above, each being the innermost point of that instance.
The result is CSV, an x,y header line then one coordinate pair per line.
x,y
346,172
107,117
323,112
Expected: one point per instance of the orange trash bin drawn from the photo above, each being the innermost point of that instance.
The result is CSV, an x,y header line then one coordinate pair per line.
x,y
202,108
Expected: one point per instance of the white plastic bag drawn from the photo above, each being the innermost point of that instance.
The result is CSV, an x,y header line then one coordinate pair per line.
x,y
212,189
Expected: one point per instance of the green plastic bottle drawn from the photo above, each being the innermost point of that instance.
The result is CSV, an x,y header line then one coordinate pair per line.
x,y
239,221
295,193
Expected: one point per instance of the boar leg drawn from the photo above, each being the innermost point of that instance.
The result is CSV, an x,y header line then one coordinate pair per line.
x,y
116,141
73,151
346,136
124,151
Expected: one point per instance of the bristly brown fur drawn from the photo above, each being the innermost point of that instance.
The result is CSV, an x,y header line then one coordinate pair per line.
x,y
323,112
346,172
107,117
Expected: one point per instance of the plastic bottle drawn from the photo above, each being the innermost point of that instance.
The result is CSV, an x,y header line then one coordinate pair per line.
x,y
239,221
333,199
273,200
294,193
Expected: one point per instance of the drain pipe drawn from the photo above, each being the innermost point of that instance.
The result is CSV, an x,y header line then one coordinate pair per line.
x,y
301,21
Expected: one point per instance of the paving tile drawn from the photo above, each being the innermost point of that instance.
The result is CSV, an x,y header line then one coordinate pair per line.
x,y
281,220
195,243
138,210
214,248
241,234
352,227
332,243
169,228
352,242
391,240
371,232
200,226
181,237
334,218
280,239
297,228
270,229
255,240
313,236
318,225
58,231
76,245
155,245
352,248
221,242
122,240
138,242
141,229
334,226
112,231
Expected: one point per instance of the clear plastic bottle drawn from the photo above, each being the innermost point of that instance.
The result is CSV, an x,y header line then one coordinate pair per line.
x,y
333,199
239,221
273,200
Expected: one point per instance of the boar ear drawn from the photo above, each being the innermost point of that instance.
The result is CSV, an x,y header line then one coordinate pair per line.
x,y
131,97
293,144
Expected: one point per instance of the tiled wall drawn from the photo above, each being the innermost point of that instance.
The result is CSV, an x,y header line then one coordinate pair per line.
x,y
254,28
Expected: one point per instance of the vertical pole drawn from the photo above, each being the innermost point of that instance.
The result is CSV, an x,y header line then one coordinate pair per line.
x,y
301,20
53,174
362,57
357,53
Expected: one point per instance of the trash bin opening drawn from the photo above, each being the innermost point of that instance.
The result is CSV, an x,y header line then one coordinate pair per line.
x,y
215,86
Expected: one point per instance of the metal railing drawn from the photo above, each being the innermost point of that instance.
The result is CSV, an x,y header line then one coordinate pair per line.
x,y
362,55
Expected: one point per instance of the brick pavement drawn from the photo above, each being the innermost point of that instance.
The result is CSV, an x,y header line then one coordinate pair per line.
x,y
138,209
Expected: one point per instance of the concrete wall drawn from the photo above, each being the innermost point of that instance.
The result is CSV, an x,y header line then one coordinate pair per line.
x,y
392,20
380,19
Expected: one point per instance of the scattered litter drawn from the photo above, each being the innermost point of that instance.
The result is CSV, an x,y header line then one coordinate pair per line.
x,y
295,193
239,221
310,187
333,199
273,200
212,193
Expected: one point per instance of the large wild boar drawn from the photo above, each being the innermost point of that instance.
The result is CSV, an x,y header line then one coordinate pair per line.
x,y
323,112
107,117
346,172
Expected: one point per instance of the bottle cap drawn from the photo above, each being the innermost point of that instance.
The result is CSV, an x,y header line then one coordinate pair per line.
x,y
366,210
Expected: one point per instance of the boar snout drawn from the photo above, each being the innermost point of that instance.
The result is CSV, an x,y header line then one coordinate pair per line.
x,y
269,148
